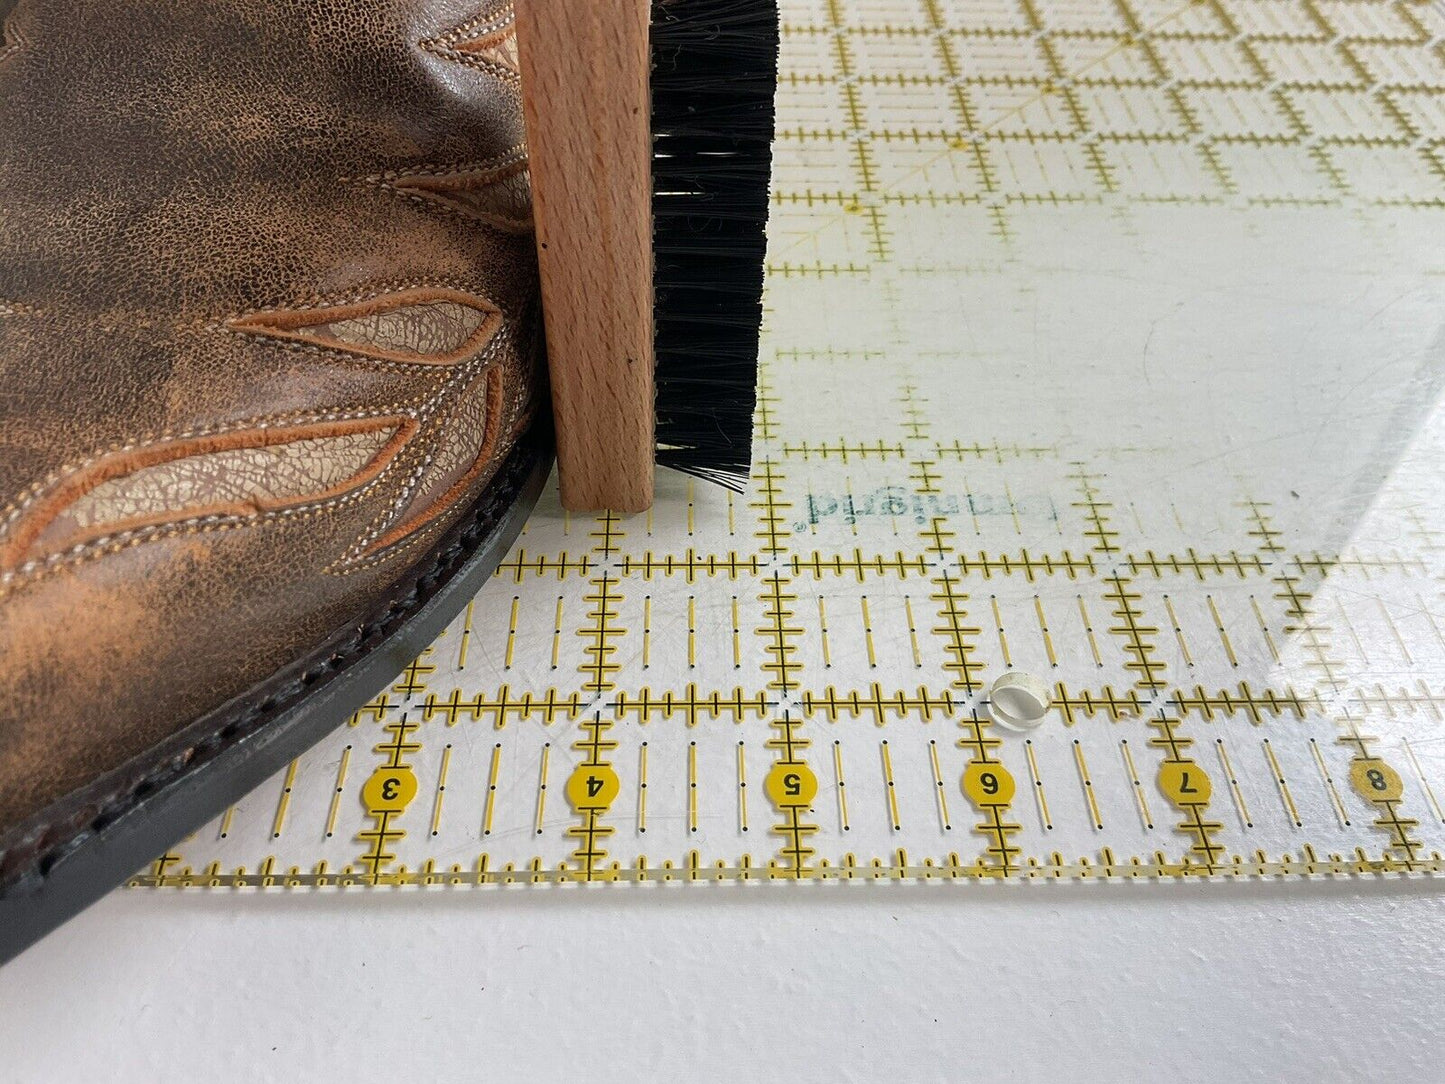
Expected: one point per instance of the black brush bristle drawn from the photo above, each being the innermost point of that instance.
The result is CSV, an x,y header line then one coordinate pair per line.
x,y
714,81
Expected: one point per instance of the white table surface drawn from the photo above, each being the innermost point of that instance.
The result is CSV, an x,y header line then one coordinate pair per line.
x,y
1048,982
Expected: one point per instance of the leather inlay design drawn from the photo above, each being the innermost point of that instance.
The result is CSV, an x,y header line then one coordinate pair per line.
x,y
238,475
499,48
499,196
472,432
271,475
231,348
487,43
457,442
418,326
10,41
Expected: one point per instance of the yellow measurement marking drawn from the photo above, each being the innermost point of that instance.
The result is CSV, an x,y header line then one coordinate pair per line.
x,y
998,624
285,801
226,822
1013,509
1139,523
389,791
791,785
436,809
511,633
467,635
1178,632
1133,773
692,786
742,789
889,787
737,637
868,632
1234,787
912,631
542,786
642,788
1281,618
823,629
952,146
1185,783
1264,628
1354,636
972,512
1044,630
491,805
335,809
1043,801
939,787
842,786
1400,640
1088,784
557,634
1219,625
1376,781
692,631
1424,783
1430,617
646,632
1279,781
1329,784
987,784
1089,632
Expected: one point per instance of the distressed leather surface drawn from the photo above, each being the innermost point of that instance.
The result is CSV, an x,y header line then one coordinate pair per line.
x,y
267,320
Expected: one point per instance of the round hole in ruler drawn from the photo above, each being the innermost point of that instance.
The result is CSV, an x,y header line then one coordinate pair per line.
x,y
1018,700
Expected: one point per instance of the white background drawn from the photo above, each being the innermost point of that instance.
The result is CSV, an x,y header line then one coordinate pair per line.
x,y
830,983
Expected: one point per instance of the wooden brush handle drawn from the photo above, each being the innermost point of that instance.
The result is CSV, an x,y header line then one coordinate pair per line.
x,y
585,81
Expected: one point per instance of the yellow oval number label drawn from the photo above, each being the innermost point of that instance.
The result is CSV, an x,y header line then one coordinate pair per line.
x,y
791,785
1376,780
592,787
389,790
1184,783
988,784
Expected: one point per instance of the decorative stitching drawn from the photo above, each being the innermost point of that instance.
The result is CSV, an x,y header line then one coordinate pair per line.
x,y
495,393
450,191
513,155
437,186
460,378
429,530
18,504
290,324
480,31
421,410
33,492
360,295
118,466
365,362
11,42
38,846
38,569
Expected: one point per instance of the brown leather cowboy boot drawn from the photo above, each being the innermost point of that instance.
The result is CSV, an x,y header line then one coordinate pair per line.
x,y
268,370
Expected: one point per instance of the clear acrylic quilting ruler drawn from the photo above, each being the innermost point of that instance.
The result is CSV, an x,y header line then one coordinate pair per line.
x,y
1104,342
